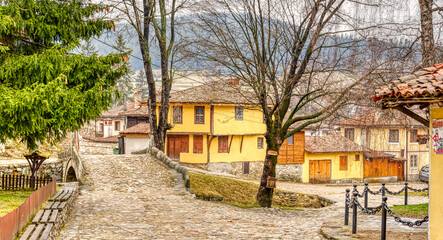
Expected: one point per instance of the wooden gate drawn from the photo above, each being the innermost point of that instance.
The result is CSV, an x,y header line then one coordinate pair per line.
x,y
383,167
319,171
176,145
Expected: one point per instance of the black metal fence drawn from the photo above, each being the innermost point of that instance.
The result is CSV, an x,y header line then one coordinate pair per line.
x,y
383,207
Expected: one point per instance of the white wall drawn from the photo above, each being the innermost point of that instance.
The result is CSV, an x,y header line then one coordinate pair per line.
x,y
135,143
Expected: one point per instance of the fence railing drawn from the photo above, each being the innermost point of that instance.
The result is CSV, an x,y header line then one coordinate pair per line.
x,y
12,223
19,182
383,207
383,190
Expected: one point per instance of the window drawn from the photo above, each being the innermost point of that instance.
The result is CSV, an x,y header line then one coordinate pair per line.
x,y
413,137
343,163
177,114
223,144
394,135
117,126
260,143
102,127
200,115
357,157
291,140
198,144
413,162
349,133
238,113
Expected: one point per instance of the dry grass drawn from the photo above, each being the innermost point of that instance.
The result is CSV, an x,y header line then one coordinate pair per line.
x,y
243,194
11,200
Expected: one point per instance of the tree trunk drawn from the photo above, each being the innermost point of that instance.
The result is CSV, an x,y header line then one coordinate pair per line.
x,y
264,195
427,33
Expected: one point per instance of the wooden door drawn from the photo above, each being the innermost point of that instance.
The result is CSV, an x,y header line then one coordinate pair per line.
x,y
319,171
176,145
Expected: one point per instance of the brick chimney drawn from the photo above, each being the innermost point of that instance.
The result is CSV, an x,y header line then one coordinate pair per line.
x,y
138,97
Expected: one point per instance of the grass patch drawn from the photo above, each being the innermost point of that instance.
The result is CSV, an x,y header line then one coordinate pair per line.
x,y
242,194
413,211
11,200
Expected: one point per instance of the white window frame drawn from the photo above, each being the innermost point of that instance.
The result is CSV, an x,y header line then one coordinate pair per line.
x,y
416,161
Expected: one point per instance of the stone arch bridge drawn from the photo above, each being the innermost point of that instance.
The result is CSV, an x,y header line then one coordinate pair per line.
x,y
73,169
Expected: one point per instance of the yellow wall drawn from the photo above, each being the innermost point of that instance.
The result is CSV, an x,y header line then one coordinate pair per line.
x,y
188,122
436,186
225,123
379,141
195,157
355,168
249,152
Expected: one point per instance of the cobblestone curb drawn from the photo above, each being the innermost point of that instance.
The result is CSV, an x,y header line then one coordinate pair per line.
x,y
62,216
161,156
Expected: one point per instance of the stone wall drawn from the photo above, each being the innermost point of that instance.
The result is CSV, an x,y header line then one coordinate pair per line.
x,y
96,148
71,158
62,216
51,168
289,172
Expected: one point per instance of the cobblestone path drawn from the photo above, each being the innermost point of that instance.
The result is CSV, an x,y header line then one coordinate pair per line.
x,y
129,197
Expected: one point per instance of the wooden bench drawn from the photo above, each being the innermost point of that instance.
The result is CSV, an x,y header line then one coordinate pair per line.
x,y
37,232
28,232
56,195
47,231
37,217
45,217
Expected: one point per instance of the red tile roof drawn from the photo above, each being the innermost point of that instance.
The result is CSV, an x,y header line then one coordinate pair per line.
x,y
379,118
427,83
136,111
217,92
141,128
111,139
114,112
331,144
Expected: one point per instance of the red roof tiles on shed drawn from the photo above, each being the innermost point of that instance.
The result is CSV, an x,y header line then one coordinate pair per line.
x,y
425,83
141,128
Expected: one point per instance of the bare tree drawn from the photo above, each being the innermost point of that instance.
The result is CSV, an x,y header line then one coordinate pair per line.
x,y
154,22
291,57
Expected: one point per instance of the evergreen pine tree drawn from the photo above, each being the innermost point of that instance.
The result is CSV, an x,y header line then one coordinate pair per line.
x,y
124,85
46,90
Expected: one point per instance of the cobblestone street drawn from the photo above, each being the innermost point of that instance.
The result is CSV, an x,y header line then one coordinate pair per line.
x,y
127,197
131,197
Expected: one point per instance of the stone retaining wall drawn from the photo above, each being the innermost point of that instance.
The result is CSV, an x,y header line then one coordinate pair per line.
x,y
50,167
96,148
159,155
290,172
63,215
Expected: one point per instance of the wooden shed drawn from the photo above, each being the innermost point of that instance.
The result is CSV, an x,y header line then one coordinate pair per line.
x,y
380,164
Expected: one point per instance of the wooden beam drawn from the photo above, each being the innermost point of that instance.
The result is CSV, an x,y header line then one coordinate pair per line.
x,y
241,143
413,115
209,143
230,143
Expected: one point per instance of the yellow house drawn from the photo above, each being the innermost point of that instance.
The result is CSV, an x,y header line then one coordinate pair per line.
x,y
390,132
332,158
425,89
216,122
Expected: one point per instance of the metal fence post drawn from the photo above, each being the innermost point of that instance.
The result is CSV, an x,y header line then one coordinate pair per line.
x,y
347,207
354,214
366,195
355,188
406,193
383,189
383,219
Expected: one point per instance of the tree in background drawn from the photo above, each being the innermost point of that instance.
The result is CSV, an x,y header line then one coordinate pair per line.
x,y
154,22
87,48
124,85
46,90
291,57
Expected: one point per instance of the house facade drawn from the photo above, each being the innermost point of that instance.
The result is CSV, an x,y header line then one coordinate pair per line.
x,y
424,89
217,126
390,132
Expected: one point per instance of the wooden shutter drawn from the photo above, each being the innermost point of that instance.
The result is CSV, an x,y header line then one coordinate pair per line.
x,y
198,144
223,144
343,163
184,144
